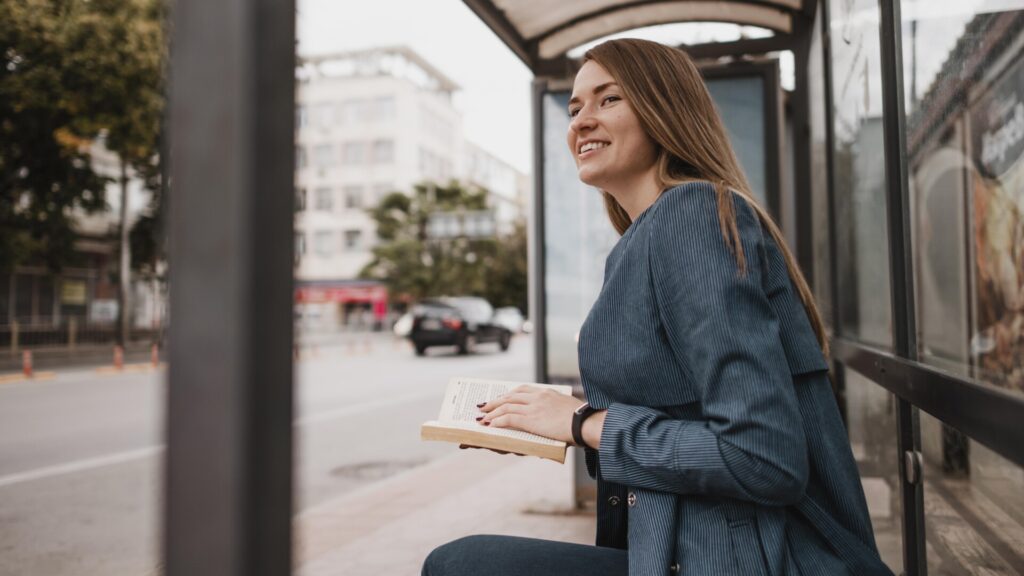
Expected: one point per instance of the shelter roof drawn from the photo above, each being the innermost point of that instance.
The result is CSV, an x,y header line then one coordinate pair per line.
x,y
541,32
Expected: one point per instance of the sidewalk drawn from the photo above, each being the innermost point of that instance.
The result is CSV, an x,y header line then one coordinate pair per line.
x,y
391,526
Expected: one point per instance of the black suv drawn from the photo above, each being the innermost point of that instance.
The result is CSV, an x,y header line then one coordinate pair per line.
x,y
463,322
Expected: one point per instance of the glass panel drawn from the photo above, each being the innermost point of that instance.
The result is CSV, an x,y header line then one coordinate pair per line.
x,y
577,238
974,501
740,102
964,83
871,422
859,173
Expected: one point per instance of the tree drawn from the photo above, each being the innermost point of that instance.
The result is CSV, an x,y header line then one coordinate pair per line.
x,y
413,264
45,170
74,72
507,280
122,42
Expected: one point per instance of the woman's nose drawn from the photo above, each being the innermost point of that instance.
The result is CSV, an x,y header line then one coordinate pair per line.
x,y
582,121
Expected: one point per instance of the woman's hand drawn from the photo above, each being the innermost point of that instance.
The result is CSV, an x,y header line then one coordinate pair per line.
x,y
532,409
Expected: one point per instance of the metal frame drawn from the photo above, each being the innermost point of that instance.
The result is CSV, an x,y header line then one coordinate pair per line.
x,y
228,506
768,71
803,224
538,300
986,414
901,277
746,46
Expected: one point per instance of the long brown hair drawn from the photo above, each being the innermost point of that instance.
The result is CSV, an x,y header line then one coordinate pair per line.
x,y
672,103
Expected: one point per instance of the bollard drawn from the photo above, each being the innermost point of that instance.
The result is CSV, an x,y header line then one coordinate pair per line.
x,y
72,333
118,358
26,363
154,355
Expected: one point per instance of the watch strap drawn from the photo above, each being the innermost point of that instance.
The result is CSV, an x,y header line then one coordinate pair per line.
x,y
578,417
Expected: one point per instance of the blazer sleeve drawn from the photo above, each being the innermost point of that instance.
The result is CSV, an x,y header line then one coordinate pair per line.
x,y
750,443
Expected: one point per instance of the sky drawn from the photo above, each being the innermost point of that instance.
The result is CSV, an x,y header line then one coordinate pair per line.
x,y
495,95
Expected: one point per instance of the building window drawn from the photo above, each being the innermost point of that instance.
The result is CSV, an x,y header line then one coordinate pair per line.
x,y
323,155
301,117
351,111
323,243
300,246
383,151
383,108
323,115
301,161
300,199
353,153
324,200
353,197
353,239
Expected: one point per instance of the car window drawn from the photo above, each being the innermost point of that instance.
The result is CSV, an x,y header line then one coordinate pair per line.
x,y
475,309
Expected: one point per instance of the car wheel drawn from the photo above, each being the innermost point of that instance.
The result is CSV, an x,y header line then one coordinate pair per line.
x,y
504,340
466,343
421,350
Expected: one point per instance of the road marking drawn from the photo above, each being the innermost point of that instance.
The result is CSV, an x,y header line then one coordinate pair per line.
x,y
128,456
79,466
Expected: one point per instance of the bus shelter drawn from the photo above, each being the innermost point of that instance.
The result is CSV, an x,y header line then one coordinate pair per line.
x,y
893,163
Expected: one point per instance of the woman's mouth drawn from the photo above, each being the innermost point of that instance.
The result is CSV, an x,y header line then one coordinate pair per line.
x,y
591,148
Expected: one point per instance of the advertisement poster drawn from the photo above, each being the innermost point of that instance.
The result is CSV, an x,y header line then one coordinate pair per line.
x,y
997,143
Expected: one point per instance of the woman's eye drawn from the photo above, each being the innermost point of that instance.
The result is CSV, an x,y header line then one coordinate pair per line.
x,y
573,113
608,99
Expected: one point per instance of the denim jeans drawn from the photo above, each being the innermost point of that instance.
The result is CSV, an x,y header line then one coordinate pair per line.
x,y
515,556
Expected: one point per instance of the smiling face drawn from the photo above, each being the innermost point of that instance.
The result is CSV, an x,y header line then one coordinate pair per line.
x,y
612,151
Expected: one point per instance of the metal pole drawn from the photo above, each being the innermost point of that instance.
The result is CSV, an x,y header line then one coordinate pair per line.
x,y
901,276
229,457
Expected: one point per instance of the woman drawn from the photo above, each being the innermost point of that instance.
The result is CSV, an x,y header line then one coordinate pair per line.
x,y
711,426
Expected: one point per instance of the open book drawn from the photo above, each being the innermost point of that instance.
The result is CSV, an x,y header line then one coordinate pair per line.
x,y
457,422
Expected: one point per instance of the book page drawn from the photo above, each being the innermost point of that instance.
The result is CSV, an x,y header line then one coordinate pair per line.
x,y
462,396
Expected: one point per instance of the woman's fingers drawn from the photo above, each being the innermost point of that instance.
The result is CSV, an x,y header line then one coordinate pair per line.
x,y
510,420
501,411
513,397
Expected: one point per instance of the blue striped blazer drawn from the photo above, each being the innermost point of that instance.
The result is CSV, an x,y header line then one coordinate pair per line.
x,y
722,452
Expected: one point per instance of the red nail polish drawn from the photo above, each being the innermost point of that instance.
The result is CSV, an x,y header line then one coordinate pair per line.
x,y
487,423
479,418
481,405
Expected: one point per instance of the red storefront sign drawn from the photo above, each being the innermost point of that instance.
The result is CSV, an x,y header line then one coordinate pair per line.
x,y
341,294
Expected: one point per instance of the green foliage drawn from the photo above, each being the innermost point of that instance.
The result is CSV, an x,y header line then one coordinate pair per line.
x,y
71,71
413,265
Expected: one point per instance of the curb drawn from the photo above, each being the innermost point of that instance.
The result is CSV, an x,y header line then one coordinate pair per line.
x,y
18,377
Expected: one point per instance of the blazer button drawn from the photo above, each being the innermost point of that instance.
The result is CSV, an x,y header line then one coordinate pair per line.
x,y
674,568
631,498
613,500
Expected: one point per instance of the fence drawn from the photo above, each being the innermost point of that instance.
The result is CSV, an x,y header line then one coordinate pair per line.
x,y
68,332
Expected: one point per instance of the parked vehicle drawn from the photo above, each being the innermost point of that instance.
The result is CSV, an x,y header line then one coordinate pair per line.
x,y
403,326
510,317
462,321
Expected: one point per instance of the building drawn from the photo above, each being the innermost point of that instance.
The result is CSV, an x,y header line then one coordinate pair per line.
x,y
368,123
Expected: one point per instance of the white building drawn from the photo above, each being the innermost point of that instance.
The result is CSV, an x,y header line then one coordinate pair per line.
x,y
371,122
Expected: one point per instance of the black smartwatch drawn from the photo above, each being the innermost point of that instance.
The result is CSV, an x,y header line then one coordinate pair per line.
x,y
578,416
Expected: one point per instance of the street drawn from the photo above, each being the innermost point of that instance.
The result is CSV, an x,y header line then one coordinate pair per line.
x,y
81,454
